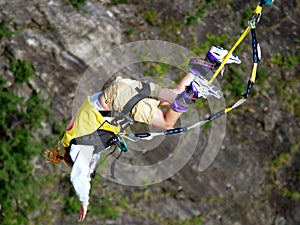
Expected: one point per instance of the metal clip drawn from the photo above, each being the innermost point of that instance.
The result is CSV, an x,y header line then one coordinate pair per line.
x,y
254,20
121,143
252,24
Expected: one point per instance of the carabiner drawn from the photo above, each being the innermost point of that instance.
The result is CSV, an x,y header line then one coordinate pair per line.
x,y
121,143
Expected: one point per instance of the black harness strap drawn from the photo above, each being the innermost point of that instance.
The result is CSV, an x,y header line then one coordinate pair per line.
x,y
143,92
112,167
107,113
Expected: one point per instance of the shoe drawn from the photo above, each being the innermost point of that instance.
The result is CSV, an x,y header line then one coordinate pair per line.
x,y
201,88
213,60
216,54
200,66
182,102
198,88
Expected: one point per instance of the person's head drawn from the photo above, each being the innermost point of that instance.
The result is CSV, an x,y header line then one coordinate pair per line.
x,y
55,157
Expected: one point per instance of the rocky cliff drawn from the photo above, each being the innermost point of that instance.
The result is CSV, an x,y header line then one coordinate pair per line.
x,y
254,178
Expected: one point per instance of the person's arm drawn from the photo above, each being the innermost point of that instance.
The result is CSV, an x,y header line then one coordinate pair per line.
x,y
185,81
82,214
80,178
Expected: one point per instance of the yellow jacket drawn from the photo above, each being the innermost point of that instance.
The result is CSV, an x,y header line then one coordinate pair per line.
x,y
86,121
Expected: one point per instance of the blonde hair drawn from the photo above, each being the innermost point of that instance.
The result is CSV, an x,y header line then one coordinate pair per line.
x,y
55,157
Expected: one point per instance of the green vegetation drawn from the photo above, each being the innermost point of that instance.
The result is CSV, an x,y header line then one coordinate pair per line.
x,y
193,221
108,209
149,196
246,16
172,28
156,69
150,16
5,31
71,203
129,32
201,7
282,173
211,39
107,204
287,93
288,60
116,2
19,119
22,70
78,4
261,76
236,83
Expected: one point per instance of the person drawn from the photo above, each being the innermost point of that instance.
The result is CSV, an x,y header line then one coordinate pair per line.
x,y
92,128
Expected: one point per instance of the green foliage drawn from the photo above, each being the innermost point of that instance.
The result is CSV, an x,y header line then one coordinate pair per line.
x,y
71,204
206,127
246,16
150,16
78,4
58,128
18,121
35,110
108,209
129,32
235,81
156,69
261,76
193,221
201,7
116,2
197,220
281,169
287,60
5,31
9,113
288,94
297,40
211,40
107,204
22,70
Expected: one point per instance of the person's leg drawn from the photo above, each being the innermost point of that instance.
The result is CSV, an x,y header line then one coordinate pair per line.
x,y
193,88
168,119
165,120
185,81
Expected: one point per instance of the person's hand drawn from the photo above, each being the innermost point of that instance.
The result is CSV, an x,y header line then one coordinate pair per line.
x,y
83,211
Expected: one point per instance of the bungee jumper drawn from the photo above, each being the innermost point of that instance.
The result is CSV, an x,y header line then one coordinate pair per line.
x,y
102,119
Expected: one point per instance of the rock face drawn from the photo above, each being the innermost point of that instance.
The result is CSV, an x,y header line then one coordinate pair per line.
x,y
245,184
60,45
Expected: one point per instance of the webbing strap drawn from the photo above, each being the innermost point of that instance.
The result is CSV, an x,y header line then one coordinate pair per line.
x,y
109,113
143,92
113,164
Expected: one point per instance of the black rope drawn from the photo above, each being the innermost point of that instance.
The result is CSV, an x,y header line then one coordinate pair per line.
x,y
102,161
112,167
